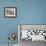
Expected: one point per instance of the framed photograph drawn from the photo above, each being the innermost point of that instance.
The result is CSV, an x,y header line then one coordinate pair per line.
x,y
33,32
10,12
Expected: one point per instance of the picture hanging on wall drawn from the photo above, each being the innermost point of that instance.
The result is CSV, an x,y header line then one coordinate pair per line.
x,y
10,12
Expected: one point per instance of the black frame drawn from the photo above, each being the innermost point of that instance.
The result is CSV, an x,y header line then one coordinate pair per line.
x,y
10,16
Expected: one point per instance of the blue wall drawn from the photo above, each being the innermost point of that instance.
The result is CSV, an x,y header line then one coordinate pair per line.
x,y
28,12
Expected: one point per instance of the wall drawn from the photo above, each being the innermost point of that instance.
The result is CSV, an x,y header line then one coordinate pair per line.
x,y
28,12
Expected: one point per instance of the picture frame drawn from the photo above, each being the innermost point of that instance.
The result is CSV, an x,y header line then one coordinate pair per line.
x,y
41,28
10,12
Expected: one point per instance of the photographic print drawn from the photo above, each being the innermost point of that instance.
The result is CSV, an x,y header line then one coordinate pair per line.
x,y
10,12
32,32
